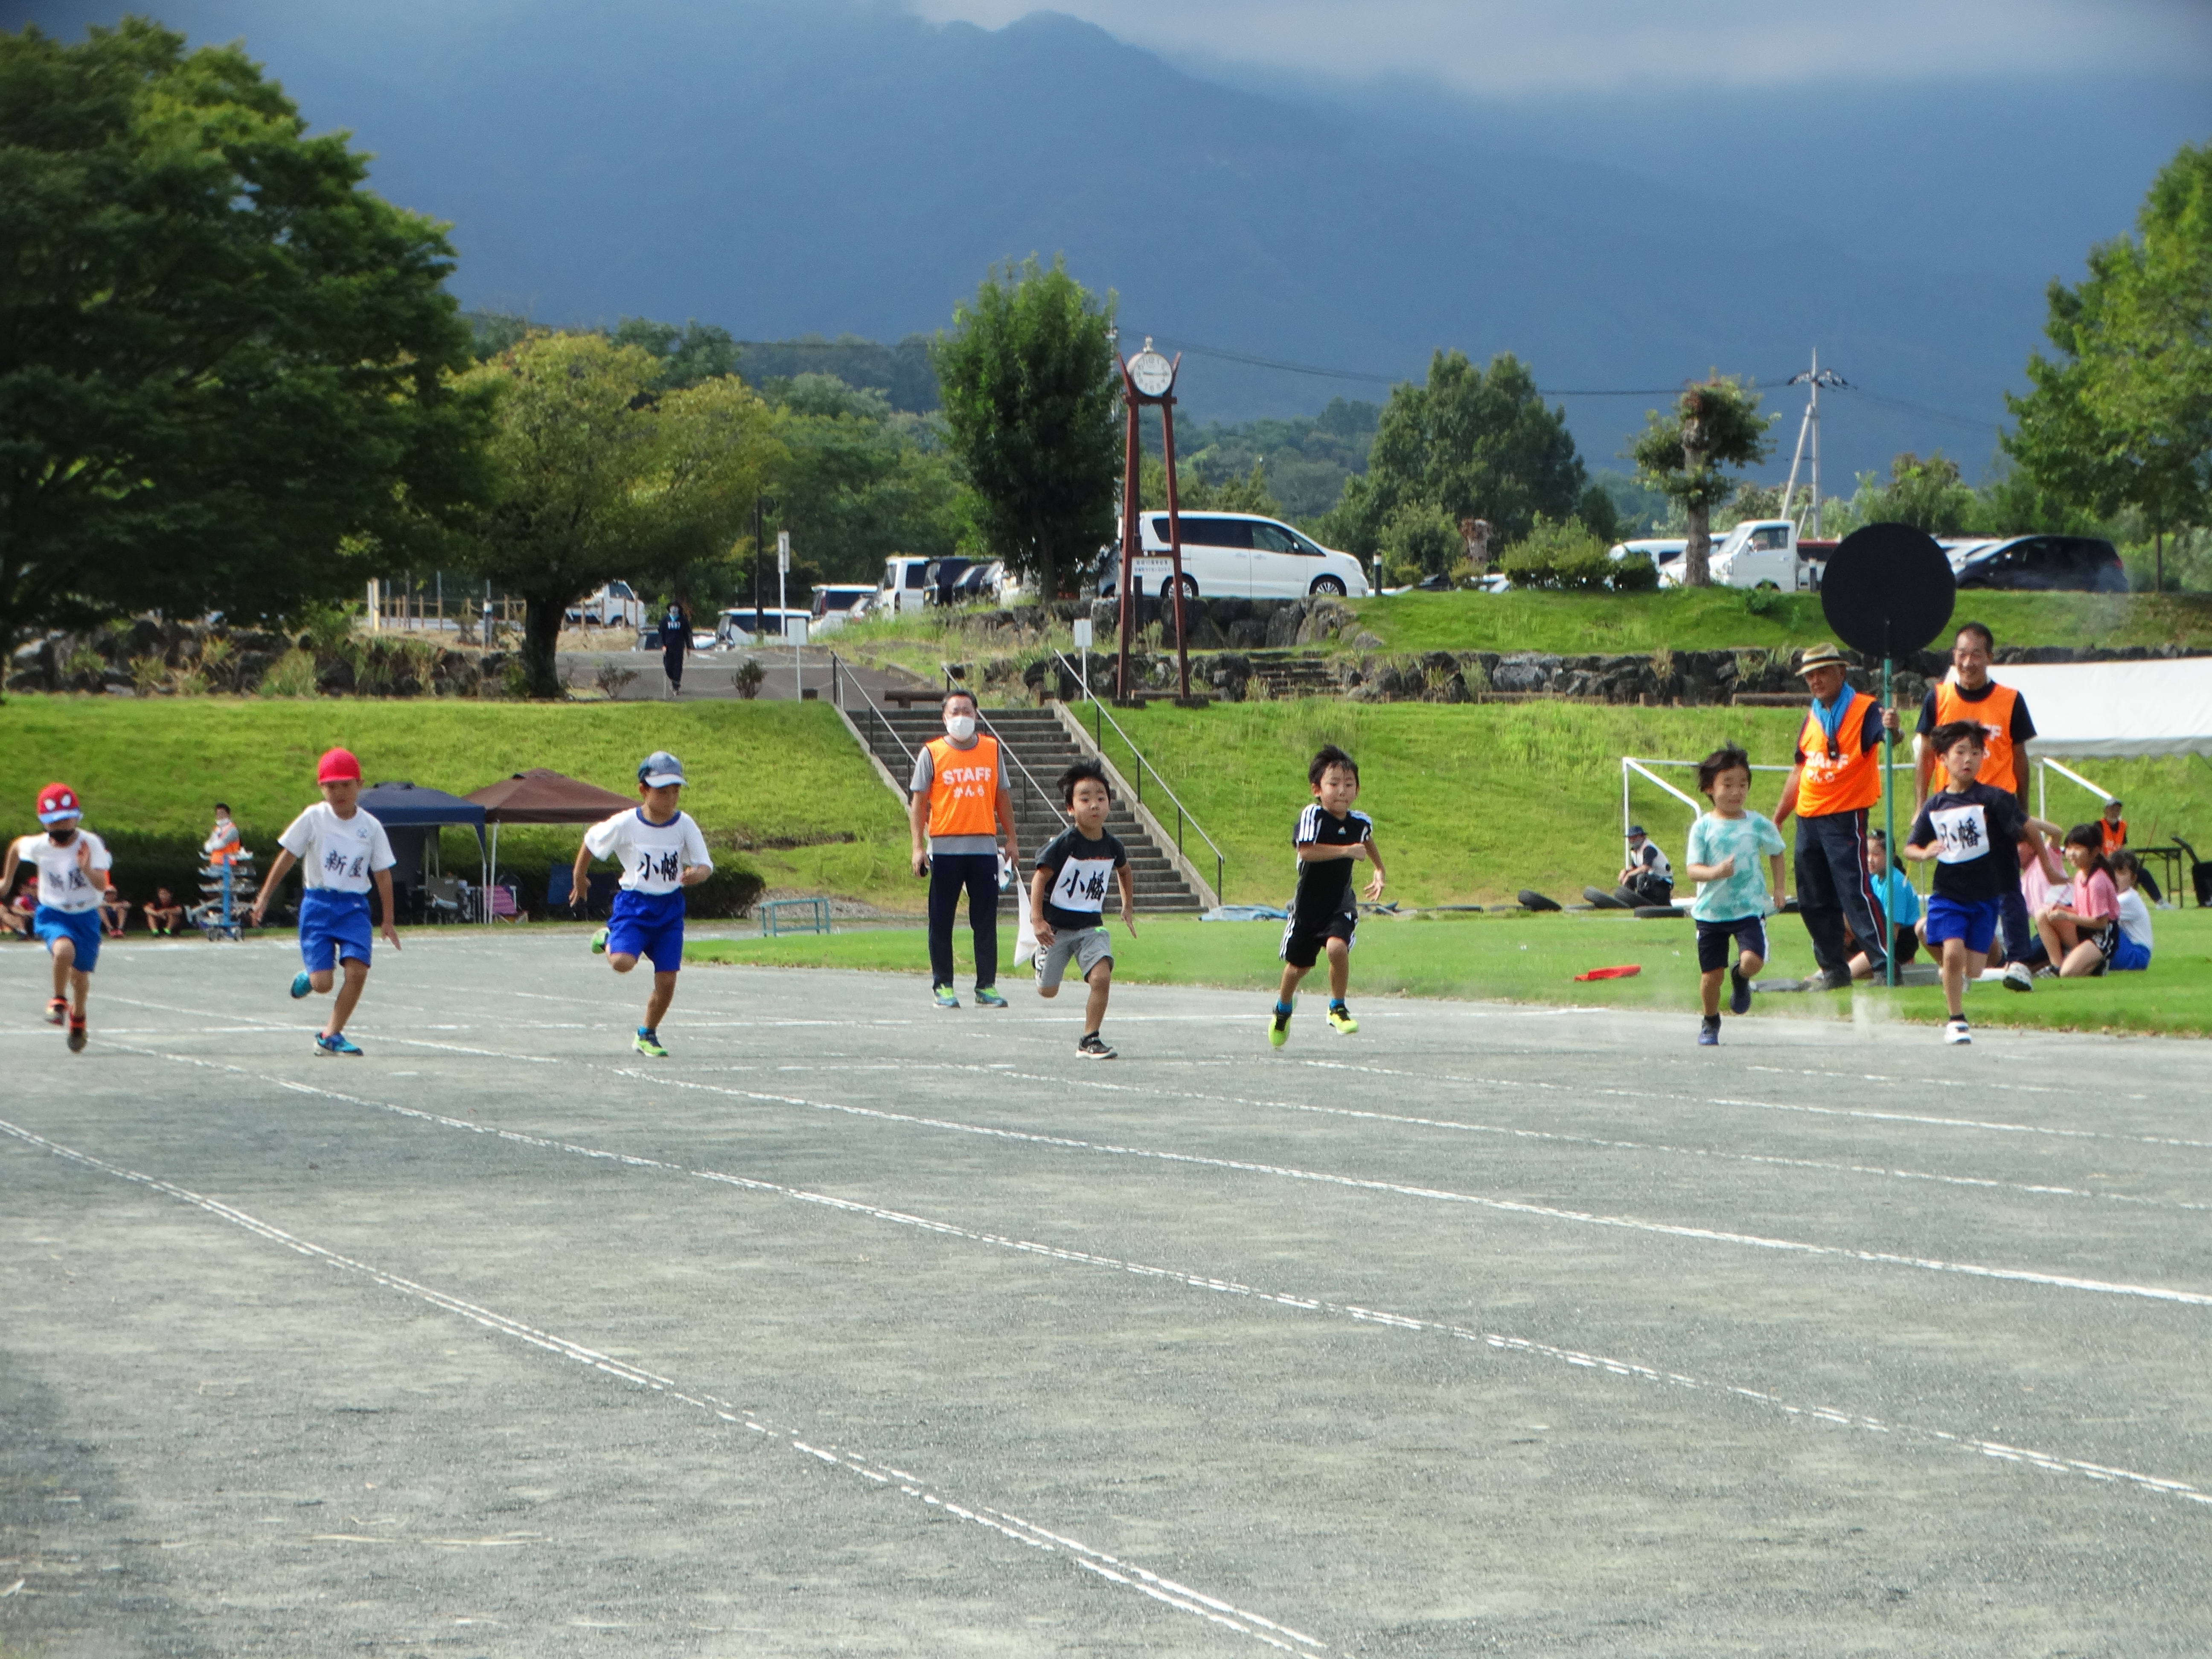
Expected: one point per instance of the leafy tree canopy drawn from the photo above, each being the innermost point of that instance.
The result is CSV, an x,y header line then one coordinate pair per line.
x,y
1031,413
1687,455
222,361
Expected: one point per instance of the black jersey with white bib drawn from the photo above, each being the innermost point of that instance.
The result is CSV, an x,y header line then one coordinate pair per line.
x,y
1325,885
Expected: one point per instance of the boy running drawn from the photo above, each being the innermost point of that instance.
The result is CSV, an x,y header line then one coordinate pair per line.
x,y
1972,831
1325,909
661,853
342,852
72,864
1722,853
1068,895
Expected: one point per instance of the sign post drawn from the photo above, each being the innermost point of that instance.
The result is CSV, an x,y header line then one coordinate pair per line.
x,y
783,605
1083,654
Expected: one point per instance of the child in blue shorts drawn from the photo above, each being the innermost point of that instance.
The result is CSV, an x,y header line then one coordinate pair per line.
x,y
1973,834
342,852
661,853
1733,901
72,864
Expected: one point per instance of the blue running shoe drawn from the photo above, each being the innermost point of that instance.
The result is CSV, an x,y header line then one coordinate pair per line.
x,y
335,1043
1709,1033
946,997
301,985
987,998
1738,991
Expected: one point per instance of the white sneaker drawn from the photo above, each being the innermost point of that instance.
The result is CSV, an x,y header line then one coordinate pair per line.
x,y
1954,1031
2018,978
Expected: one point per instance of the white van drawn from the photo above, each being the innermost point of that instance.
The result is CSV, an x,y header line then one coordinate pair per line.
x,y
734,629
1241,554
1757,553
835,605
911,582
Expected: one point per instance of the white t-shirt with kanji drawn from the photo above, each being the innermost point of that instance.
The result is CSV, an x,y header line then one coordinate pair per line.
x,y
63,883
653,856
335,855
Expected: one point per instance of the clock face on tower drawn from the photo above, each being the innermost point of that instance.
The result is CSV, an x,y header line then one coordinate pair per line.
x,y
1151,374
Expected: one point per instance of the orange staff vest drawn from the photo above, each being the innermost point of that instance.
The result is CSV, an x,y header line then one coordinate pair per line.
x,y
964,789
1993,714
1853,779
2113,835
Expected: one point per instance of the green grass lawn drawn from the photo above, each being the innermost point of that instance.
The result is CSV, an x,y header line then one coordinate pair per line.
x,y
779,785
1689,620
1534,959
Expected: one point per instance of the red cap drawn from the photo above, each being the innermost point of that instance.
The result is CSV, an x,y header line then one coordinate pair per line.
x,y
336,765
58,801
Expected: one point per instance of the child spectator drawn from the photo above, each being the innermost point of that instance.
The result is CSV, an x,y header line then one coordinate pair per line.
x,y
2131,953
16,915
221,846
1969,830
661,852
1325,908
1068,895
164,915
342,852
1895,901
72,864
113,912
1733,901
2078,934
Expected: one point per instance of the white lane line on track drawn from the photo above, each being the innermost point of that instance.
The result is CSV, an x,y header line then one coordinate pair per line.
x,y
1167,1590
2047,1461
1498,1205
1091,1081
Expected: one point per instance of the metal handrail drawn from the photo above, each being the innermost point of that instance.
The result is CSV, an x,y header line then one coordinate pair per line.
x,y
1007,750
1183,813
876,714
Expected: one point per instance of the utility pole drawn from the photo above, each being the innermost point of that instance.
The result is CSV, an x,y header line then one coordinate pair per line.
x,y
759,547
1809,428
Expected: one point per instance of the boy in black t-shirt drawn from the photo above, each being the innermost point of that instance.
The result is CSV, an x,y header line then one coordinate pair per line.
x,y
1325,909
1973,833
1068,894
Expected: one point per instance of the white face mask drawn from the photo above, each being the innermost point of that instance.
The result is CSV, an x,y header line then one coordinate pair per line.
x,y
960,727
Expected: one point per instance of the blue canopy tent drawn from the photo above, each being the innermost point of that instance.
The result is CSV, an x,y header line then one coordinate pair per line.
x,y
412,814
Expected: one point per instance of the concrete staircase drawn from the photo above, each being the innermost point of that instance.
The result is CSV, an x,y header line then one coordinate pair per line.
x,y
1290,674
1036,739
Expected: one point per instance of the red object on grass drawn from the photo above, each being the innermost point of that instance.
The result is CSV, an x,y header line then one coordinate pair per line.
x,y
1629,972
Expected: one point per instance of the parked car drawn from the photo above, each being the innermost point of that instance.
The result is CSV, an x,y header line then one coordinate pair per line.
x,y
837,605
1239,554
614,605
2078,563
734,629
910,583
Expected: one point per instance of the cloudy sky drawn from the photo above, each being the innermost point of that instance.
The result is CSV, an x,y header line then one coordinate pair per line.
x,y
1550,46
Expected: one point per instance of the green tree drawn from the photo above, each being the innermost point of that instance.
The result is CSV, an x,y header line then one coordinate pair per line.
x,y
859,481
697,351
2123,417
595,475
223,363
1714,425
1032,411
1471,443
1196,492
1929,495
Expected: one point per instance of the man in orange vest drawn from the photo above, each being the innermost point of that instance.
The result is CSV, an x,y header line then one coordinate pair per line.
x,y
2002,713
957,806
1838,775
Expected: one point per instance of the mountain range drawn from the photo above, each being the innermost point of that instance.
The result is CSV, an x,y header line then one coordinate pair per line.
x,y
843,165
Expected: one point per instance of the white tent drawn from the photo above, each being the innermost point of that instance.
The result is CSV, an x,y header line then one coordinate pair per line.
x,y
2087,709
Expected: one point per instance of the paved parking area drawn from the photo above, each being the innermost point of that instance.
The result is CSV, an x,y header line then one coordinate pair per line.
x,y
855,1327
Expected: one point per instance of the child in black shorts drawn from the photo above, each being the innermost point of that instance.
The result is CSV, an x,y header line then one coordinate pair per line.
x,y
1325,908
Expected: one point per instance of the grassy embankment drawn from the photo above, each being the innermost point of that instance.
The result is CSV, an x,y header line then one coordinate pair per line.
x,y
1534,959
780,786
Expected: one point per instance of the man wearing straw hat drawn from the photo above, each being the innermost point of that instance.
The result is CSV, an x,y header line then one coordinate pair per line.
x,y
1836,778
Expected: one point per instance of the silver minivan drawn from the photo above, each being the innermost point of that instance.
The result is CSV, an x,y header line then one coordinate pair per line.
x,y
1239,554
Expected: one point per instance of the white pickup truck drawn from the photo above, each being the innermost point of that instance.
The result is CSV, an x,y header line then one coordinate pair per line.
x,y
1758,553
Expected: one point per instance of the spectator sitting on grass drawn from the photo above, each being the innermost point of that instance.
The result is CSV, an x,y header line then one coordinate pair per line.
x,y
113,912
1647,878
15,914
1896,901
2132,953
164,915
2078,934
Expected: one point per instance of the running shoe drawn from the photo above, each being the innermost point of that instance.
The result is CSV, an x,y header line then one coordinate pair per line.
x,y
57,1011
1954,1031
301,985
1093,1047
335,1042
1839,978
648,1042
599,942
1738,991
1709,1033
2018,976
1279,1026
945,995
1340,1020
987,997
77,1036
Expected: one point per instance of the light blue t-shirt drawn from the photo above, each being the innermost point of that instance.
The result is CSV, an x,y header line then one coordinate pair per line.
x,y
1713,838
1897,898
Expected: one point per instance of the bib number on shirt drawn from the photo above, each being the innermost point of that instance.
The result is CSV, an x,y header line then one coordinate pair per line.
x,y
1962,833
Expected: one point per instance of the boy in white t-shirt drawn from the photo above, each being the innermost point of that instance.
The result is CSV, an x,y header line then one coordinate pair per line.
x,y
72,864
661,853
342,852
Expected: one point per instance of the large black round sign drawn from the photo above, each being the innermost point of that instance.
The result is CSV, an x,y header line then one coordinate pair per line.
x,y
1889,590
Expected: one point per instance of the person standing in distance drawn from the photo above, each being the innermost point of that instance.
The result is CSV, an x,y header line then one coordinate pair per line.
x,y
72,864
958,804
1837,777
674,640
2002,713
